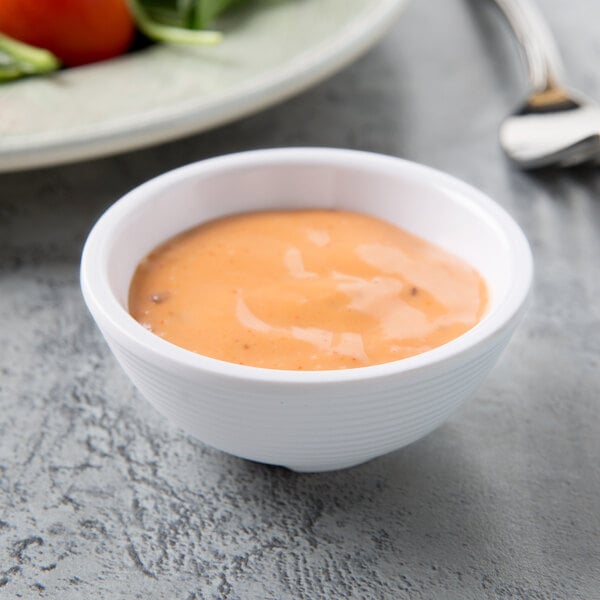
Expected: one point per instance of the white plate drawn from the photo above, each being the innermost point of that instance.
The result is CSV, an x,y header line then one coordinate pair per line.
x,y
269,53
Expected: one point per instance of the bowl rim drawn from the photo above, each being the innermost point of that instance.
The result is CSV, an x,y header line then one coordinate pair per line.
x,y
108,311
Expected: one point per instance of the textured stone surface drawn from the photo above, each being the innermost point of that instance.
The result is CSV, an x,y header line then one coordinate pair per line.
x,y
100,498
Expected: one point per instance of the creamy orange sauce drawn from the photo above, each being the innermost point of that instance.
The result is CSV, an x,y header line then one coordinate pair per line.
x,y
305,290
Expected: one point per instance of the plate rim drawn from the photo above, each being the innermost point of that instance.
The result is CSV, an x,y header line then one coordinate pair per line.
x,y
31,151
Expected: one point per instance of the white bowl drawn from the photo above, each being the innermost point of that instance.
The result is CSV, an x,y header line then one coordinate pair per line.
x,y
319,420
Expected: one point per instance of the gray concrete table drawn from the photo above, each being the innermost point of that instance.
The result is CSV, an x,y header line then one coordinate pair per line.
x,y
100,498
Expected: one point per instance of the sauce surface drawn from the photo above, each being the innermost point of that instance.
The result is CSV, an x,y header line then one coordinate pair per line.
x,y
305,290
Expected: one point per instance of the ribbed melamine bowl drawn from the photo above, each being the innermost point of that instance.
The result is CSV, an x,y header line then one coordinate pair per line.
x,y
307,421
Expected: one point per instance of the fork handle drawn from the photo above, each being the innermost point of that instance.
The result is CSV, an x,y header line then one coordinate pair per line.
x,y
544,63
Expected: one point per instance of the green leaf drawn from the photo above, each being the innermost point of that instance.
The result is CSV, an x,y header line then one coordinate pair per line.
x,y
18,59
168,33
187,14
208,10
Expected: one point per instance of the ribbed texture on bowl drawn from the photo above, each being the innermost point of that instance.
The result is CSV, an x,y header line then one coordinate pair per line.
x,y
304,429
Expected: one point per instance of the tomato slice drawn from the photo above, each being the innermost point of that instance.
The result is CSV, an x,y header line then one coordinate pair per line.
x,y
77,31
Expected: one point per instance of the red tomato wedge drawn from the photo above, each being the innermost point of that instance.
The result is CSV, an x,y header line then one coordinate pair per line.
x,y
77,31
